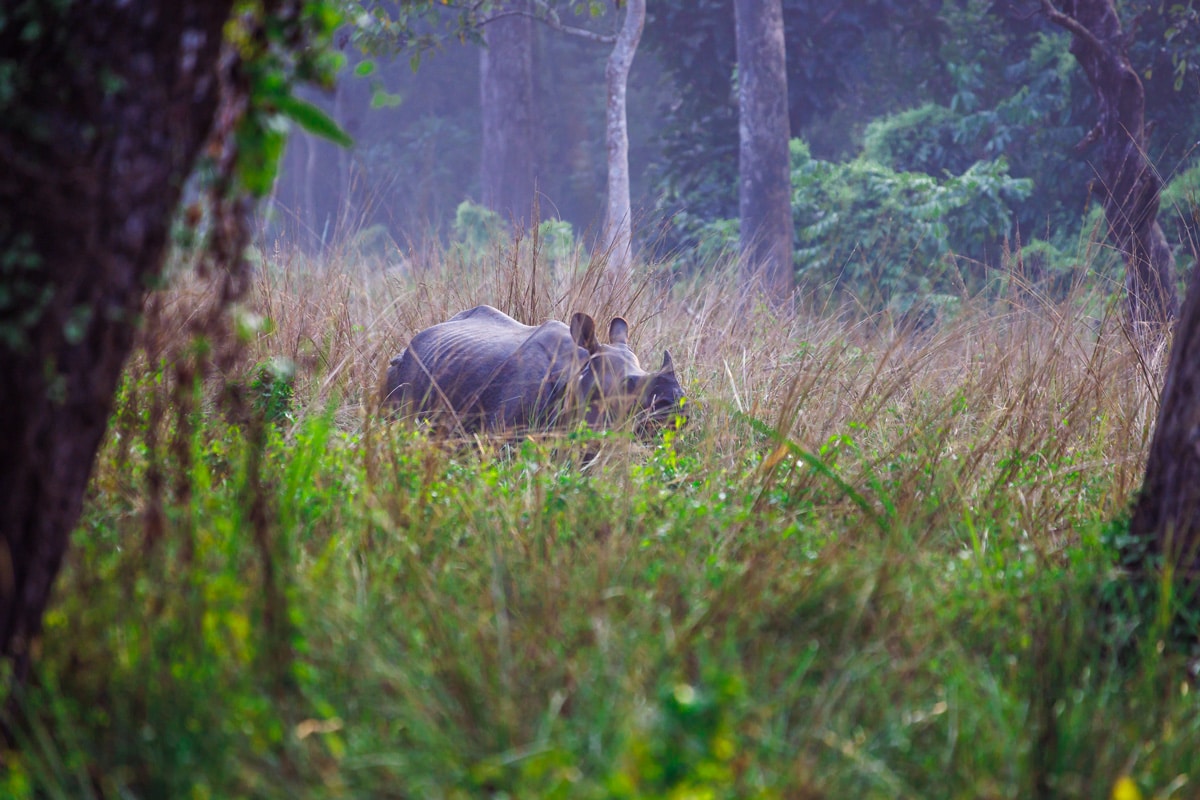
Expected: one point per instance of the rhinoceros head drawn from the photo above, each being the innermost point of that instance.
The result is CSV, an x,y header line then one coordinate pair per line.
x,y
615,387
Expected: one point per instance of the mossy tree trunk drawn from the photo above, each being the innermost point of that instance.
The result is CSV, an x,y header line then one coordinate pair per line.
x,y
1128,184
107,107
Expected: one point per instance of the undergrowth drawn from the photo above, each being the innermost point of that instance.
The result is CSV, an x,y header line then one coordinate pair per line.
x,y
876,562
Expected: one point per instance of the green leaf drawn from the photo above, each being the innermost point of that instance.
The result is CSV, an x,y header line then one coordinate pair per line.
x,y
260,144
313,119
820,467
331,63
364,69
382,98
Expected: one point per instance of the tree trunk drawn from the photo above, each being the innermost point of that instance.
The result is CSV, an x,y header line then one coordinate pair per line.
x,y
508,164
1167,512
1127,182
618,221
112,102
764,183
346,225
310,215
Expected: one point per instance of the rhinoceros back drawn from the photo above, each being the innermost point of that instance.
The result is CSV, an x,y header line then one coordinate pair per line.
x,y
483,369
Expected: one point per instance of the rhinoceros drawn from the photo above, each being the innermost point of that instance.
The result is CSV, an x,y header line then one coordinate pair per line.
x,y
481,370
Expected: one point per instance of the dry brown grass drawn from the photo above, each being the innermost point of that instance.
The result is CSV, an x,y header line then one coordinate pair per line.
x,y
978,399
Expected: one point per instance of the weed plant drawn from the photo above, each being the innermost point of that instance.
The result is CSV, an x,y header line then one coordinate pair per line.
x,y
878,562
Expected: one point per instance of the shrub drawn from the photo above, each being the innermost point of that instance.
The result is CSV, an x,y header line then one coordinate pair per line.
x,y
888,236
1179,210
477,229
557,239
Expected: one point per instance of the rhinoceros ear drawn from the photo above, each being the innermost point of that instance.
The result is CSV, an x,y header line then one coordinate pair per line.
x,y
618,331
668,364
583,331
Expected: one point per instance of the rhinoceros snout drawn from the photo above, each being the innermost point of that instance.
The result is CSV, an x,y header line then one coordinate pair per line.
x,y
667,412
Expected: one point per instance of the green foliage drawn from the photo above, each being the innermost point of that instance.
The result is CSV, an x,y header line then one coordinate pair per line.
x,y
417,27
557,239
878,233
1036,127
919,140
842,45
273,389
1032,128
717,241
1166,52
311,118
478,230
972,83
1043,269
689,747
279,50
1179,211
479,233
374,245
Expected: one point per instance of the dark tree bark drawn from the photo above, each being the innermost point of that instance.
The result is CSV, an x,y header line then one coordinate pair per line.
x,y
1127,182
112,102
764,183
508,166
1167,512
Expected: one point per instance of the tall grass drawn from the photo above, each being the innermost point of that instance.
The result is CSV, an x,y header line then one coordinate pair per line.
x,y
878,562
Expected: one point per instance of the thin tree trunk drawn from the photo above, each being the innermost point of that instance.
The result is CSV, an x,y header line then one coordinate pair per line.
x,y
1167,512
508,163
114,101
618,221
311,218
764,182
1129,186
344,206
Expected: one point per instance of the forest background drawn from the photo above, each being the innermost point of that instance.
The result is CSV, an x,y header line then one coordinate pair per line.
x,y
931,140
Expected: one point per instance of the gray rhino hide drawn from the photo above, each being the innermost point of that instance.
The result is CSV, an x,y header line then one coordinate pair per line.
x,y
482,369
